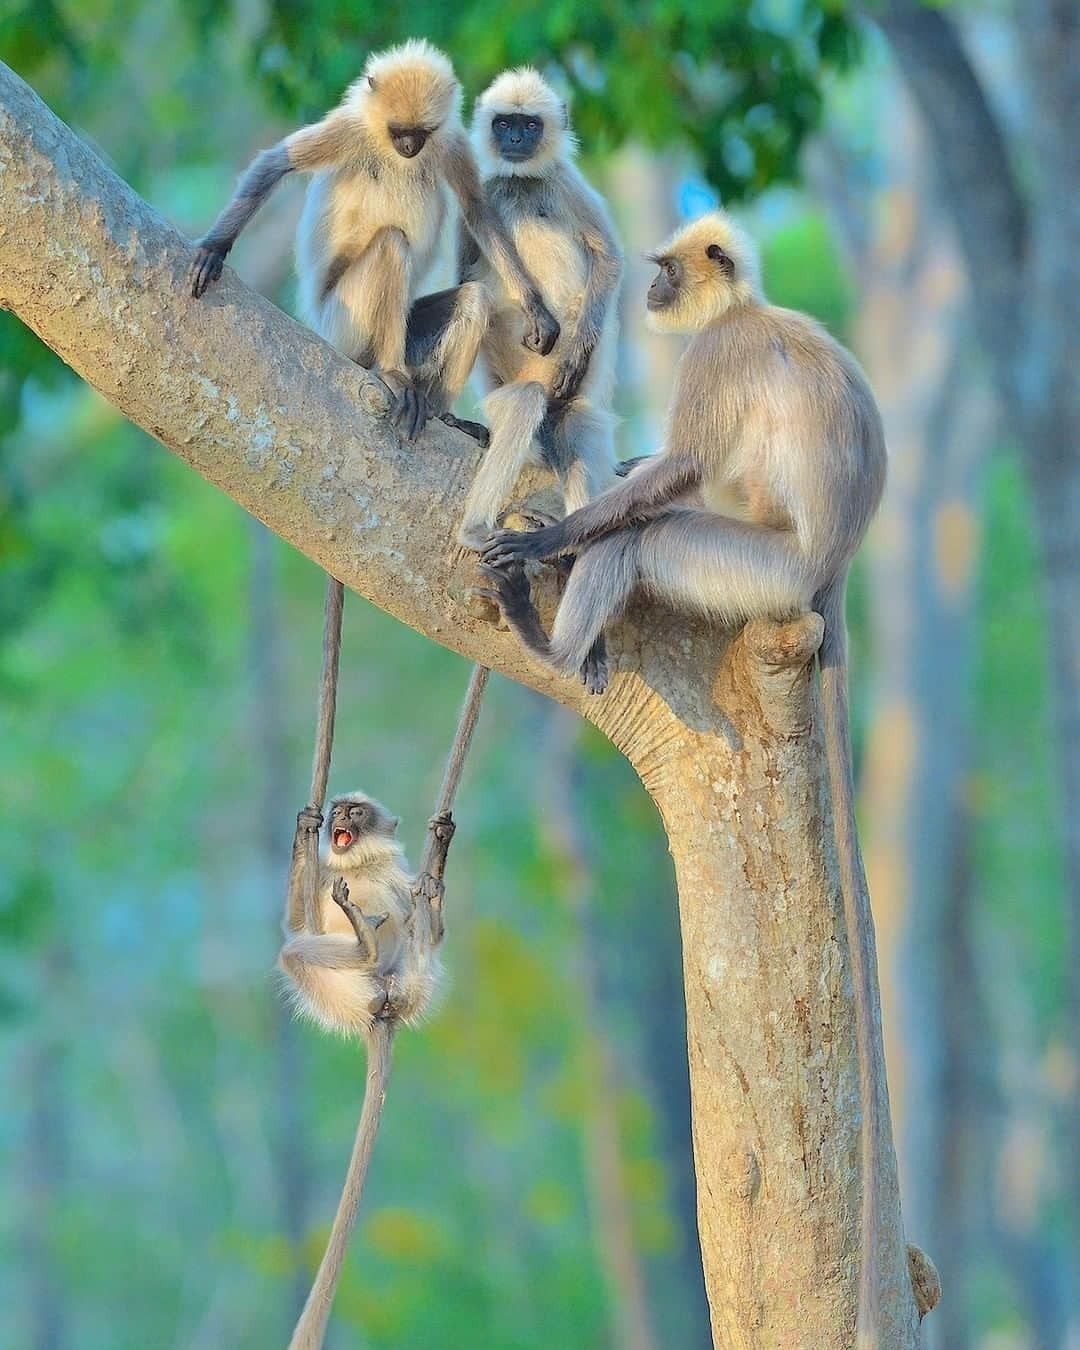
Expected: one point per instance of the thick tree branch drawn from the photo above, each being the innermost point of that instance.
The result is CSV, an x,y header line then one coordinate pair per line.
x,y
979,188
725,735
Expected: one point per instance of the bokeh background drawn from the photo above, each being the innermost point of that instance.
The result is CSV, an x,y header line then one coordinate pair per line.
x,y
172,1144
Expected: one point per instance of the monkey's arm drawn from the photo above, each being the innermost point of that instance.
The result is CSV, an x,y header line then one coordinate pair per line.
x,y
497,246
314,147
468,254
648,492
428,889
604,271
297,903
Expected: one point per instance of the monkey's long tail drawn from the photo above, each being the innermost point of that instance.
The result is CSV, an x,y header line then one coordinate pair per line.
x,y
859,923
311,1327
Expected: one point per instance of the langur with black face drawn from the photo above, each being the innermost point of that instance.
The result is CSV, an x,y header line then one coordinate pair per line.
x,y
362,963
773,467
554,405
375,209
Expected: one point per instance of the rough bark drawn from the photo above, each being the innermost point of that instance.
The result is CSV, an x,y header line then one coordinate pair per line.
x,y
724,734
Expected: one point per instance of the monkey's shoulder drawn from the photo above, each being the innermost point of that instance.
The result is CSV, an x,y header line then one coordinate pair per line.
x,y
768,337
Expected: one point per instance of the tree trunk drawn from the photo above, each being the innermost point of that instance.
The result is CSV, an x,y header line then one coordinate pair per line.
x,y
724,735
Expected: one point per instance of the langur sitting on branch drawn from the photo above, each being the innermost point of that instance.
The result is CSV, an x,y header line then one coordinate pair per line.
x,y
773,467
382,161
552,404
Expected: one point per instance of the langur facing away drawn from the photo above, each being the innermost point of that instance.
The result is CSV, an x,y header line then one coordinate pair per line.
x,y
553,405
360,960
381,163
773,467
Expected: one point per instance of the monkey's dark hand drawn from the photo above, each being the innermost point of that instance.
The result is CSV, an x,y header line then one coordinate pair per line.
x,y
543,331
410,411
509,590
509,546
570,373
309,821
205,268
443,827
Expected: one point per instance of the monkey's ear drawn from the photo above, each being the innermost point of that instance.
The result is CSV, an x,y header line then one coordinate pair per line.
x,y
717,254
371,81
565,116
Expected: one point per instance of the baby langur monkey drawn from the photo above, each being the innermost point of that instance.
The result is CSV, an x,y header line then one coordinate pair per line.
x,y
361,963
773,466
559,399
382,161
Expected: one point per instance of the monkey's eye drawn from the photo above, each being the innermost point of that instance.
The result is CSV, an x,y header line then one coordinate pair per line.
x,y
500,124
533,124
669,268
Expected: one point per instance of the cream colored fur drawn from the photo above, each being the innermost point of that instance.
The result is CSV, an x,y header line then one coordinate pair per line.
x,y
522,90
561,230
709,292
331,981
348,205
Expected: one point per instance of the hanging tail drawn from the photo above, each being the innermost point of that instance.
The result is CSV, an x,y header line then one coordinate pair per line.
x,y
859,923
311,1328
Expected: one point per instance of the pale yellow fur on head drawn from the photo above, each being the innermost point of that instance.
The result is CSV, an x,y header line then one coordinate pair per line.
x,y
707,291
411,85
523,90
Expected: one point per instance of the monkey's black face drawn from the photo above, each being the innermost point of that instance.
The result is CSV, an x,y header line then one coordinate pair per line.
x,y
666,285
409,141
517,136
351,819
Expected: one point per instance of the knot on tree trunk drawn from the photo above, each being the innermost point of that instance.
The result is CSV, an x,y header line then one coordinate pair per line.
x,y
925,1281
775,660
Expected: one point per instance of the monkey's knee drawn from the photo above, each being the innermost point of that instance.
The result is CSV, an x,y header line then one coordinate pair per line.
x,y
604,576
514,413
474,306
391,243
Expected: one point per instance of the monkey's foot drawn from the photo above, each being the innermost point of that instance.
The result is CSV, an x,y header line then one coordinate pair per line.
x,y
503,547
205,268
476,430
540,520
509,589
594,669
410,410
364,925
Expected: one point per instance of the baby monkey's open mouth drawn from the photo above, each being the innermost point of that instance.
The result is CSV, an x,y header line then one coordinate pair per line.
x,y
343,838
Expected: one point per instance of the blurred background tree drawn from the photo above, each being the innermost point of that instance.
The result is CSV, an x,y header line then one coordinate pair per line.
x,y
171,1171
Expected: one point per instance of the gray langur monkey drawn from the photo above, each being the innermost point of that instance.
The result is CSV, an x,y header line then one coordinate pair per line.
x,y
773,467
382,162
362,964
558,401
